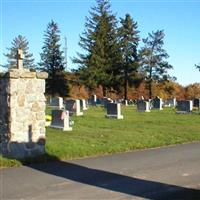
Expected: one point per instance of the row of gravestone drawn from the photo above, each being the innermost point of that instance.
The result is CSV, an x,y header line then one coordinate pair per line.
x,y
74,106
94,100
61,116
183,106
143,105
62,110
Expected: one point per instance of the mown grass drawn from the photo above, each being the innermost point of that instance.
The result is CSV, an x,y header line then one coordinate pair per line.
x,y
93,134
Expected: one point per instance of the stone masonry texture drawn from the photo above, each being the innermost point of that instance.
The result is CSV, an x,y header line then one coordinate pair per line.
x,y
22,113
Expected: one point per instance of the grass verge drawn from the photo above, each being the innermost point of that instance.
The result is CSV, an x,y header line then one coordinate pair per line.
x,y
94,135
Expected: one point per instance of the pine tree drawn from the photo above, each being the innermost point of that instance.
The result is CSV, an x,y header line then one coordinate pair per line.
x,y
52,61
97,66
129,39
19,42
153,59
198,67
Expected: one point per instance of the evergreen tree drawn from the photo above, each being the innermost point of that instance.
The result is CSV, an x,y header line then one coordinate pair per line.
x,y
153,59
98,64
19,42
129,39
52,61
198,67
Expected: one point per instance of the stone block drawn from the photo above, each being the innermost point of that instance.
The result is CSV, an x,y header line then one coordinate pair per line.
x,y
42,75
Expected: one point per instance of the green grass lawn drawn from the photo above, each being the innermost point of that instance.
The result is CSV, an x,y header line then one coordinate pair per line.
x,y
93,134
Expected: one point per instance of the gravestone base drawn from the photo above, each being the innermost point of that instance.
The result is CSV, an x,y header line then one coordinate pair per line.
x,y
63,129
115,116
183,112
79,114
157,108
143,110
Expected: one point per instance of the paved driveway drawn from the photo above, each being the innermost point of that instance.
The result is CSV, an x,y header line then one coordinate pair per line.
x,y
163,173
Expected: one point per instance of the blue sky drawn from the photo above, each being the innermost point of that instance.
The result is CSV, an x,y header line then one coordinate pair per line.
x,y
179,19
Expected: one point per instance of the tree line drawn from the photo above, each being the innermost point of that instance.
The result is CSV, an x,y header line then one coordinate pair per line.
x,y
111,57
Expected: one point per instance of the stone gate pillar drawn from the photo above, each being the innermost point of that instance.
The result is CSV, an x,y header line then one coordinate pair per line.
x,y
22,111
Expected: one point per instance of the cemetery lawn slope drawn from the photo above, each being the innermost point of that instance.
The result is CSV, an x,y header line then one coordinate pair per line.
x,y
94,135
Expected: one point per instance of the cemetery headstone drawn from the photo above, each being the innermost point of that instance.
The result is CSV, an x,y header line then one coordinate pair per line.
x,y
70,106
170,102
83,104
93,100
78,111
56,102
114,111
22,110
143,106
196,102
106,101
73,106
184,106
61,120
126,102
157,103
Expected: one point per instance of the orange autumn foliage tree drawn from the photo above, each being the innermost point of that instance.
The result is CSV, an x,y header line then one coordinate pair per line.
x,y
192,91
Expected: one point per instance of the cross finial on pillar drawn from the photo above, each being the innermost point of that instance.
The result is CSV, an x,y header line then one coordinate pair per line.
x,y
20,57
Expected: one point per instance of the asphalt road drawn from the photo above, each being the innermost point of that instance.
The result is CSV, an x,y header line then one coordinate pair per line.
x,y
163,173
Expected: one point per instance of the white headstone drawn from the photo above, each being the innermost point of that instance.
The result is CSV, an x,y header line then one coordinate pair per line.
x,y
78,108
83,104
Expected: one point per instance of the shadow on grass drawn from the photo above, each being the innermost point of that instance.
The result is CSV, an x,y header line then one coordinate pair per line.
x,y
115,182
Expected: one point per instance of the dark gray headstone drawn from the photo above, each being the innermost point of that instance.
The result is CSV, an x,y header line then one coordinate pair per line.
x,y
56,102
196,102
143,106
61,120
184,106
93,100
114,110
106,101
70,106
157,103
170,102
